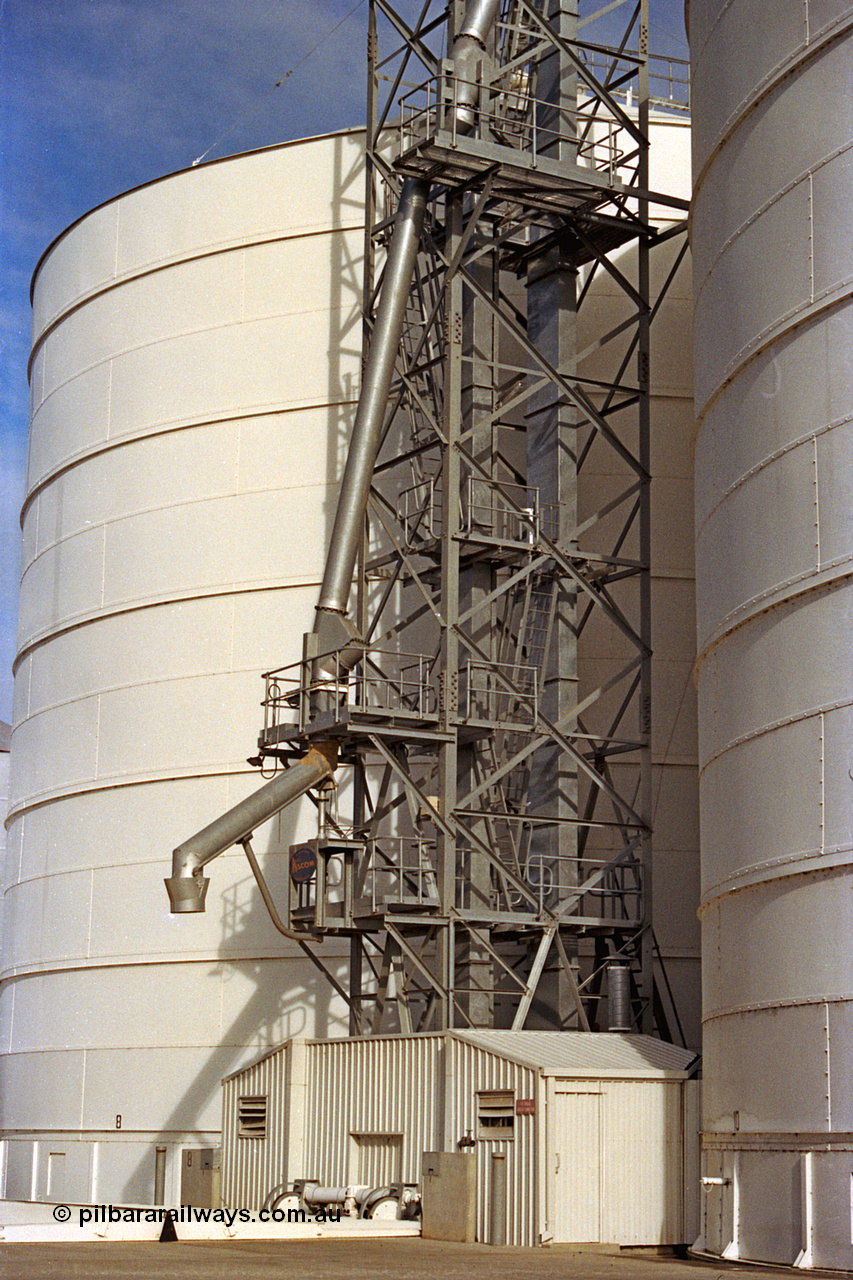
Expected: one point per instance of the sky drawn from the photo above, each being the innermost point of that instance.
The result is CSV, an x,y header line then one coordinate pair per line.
x,y
98,96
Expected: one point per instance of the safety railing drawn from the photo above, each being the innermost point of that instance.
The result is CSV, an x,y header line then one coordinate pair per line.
x,y
669,79
399,870
516,119
383,681
507,512
597,889
419,512
499,695
669,83
497,510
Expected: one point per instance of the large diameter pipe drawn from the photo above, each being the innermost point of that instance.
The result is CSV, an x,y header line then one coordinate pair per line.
x,y
186,886
619,1017
468,49
373,402
379,369
478,21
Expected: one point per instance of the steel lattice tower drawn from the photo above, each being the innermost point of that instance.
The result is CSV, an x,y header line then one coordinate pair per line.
x,y
501,794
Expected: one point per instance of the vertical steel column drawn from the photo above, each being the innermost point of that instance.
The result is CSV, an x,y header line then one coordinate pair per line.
x,y
552,468
448,756
477,579
645,979
160,1175
358,1023
498,1200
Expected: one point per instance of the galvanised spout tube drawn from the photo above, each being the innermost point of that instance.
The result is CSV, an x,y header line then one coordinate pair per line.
x,y
468,48
379,371
373,402
187,886
478,21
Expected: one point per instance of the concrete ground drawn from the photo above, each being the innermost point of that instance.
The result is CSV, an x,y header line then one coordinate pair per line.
x,y
406,1259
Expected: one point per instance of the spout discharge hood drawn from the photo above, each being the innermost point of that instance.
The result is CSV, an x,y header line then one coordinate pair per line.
x,y
187,886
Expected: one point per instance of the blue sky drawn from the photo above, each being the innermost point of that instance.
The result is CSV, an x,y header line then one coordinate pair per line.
x,y
97,96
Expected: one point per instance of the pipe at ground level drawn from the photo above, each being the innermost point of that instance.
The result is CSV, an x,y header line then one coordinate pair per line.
x,y
498,1200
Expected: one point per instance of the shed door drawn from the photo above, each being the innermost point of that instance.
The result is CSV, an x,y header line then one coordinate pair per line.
x,y
376,1159
577,1165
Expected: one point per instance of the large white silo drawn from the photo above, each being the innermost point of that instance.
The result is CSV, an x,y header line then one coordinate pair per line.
x,y
773,262
196,356
197,350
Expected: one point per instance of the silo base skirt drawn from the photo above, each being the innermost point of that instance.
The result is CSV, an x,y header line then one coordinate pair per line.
x,y
781,1198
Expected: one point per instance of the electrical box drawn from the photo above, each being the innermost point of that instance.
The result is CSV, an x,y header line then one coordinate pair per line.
x,y
201,1177
449,1196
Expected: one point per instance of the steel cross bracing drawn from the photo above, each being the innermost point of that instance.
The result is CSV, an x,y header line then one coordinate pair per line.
x,y
496,724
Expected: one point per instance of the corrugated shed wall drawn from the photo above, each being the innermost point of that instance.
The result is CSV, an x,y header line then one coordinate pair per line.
x,y
642,1205
370,1109
361,1089
470,1070
251,1167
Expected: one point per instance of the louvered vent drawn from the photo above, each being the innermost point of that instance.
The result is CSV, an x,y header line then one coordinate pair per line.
x,y
252,1116
496,1114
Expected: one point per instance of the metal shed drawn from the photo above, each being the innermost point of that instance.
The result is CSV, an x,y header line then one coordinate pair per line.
x,y
599,1131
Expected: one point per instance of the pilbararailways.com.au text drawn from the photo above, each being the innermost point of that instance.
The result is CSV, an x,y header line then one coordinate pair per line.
x,y
104,1213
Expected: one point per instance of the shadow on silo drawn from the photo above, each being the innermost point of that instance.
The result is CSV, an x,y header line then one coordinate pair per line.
x,y
302,1003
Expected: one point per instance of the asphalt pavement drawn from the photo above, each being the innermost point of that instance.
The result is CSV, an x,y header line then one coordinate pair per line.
x,y
388,1259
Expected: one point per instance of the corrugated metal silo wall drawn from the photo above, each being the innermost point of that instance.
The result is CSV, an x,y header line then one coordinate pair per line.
x,y
773,270
196,354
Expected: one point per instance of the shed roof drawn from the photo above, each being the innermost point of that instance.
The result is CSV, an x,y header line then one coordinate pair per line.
x,y
579,1054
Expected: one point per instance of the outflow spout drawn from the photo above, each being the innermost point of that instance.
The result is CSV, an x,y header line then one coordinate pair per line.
x,y
370,416
186,886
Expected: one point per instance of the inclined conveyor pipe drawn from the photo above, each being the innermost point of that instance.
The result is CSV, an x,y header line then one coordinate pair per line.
x,y
468,47
333,628
186,886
